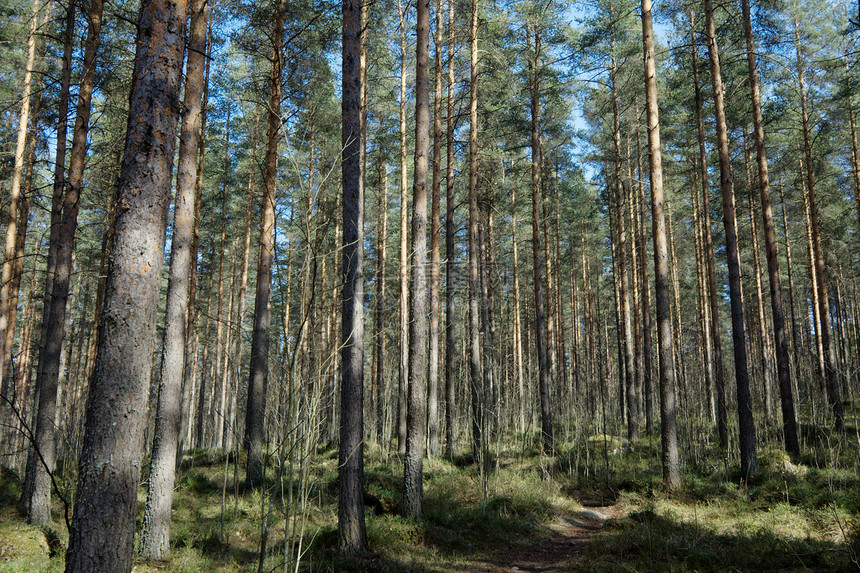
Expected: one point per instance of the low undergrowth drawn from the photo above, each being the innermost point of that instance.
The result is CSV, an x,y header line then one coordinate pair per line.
x,y
789,517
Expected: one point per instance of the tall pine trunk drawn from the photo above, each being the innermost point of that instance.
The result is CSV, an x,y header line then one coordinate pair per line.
x,y
668,429
352,537
745,415
257,381
155,535
102,533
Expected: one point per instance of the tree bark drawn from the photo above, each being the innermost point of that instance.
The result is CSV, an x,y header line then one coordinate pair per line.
x,y
256,408
544,378
435,228
831,374
716,363
668,429
352,537
53,333
745,416
475,374
403,270
416,417
450,252
17,177
155,535
102,534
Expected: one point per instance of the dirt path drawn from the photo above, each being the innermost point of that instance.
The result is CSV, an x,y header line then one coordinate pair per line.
x,y
556,552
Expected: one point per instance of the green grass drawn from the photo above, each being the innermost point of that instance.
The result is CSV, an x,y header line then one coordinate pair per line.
x,y
805,519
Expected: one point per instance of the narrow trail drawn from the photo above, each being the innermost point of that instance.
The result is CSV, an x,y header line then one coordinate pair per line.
x,y
558,551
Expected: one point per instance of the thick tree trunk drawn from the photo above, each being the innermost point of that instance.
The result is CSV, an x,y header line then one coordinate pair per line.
x,y
155,535
745,415
416,417
351,530
102,534
668,430
256,408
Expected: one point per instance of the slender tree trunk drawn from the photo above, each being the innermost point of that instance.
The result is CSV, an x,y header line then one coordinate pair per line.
x,y
53,333
256,408
646,292
351,530
745,415
435,230
716,364
450,252
155,535
416,418
668,430
544,378
380,387
475,377
626,319
221,357
102,534
831,374
6,307
403,270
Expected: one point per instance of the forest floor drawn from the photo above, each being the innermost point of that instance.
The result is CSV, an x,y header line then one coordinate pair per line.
x,y
593,507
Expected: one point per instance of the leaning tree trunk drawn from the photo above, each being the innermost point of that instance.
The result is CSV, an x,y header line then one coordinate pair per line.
x,y
102,533
745,415
668,430
155,535
256,408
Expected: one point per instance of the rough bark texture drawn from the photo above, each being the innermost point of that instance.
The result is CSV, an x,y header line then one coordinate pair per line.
x,y
256,409
351,531
668,429
783,365
155,535
102,532
416,416
745,416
